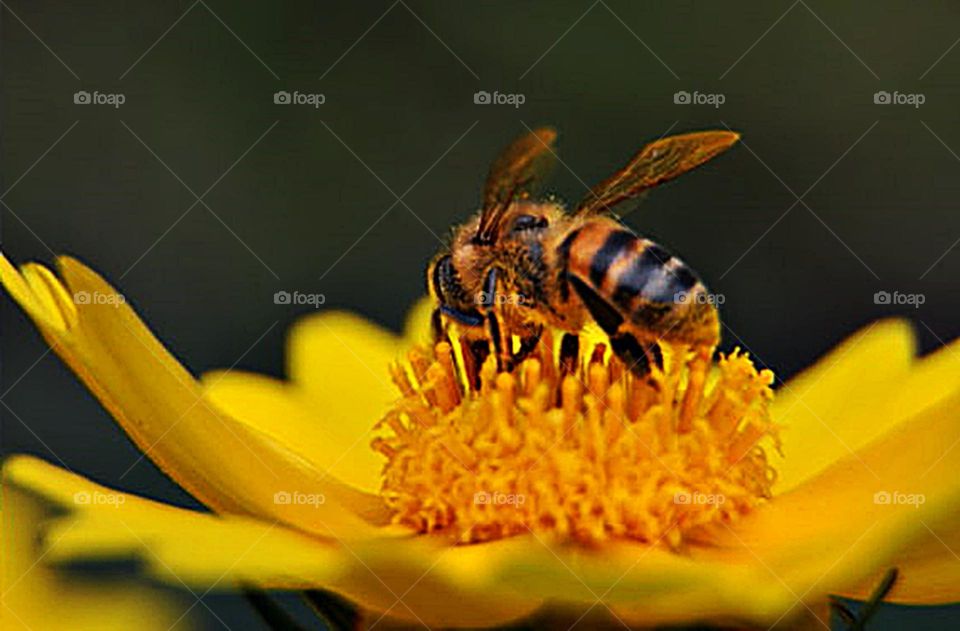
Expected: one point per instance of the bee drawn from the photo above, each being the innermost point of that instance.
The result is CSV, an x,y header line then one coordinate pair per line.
x,y
522,264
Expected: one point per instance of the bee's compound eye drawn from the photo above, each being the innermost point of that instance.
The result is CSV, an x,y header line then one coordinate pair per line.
x,y
442,275
529,222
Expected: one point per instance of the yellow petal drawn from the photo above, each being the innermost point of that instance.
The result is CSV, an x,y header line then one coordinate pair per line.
x,y
418,328
930,568
641,584
340,363
287,414
929,571
106,524
866,513
229,466
862,389
339,388
204,550
37,597
420,579
333,350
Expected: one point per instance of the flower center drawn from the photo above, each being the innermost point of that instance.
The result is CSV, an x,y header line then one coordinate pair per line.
x,y
582,450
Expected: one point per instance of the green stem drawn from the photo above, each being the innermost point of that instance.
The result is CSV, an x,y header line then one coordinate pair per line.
x,y
337,613
272,613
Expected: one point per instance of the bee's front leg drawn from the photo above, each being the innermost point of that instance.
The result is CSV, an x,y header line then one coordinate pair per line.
x,y
528,343
491,307
436,326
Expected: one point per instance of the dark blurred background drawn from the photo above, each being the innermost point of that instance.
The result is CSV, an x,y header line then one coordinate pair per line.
x,y
304,198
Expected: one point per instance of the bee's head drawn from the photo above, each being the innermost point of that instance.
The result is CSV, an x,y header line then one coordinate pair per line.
x,y
456,277
443,280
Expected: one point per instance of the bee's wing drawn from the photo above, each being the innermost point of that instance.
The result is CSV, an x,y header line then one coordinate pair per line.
x,y
658,162
520,166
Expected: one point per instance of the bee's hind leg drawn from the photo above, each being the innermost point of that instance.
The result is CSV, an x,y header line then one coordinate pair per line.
x,y
636,356
639,358
569,353
698,368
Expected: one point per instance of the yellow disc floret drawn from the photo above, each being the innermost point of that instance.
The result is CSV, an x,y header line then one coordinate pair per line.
x,y
588,452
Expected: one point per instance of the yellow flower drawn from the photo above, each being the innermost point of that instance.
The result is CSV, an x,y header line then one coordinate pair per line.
x,y
868,478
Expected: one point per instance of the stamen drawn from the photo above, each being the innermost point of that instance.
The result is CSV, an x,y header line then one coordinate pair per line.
x,y
573,444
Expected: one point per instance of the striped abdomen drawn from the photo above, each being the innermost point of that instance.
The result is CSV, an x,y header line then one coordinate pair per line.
x,y
627,280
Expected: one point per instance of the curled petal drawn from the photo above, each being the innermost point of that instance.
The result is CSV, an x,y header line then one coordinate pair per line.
x,y
230,466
